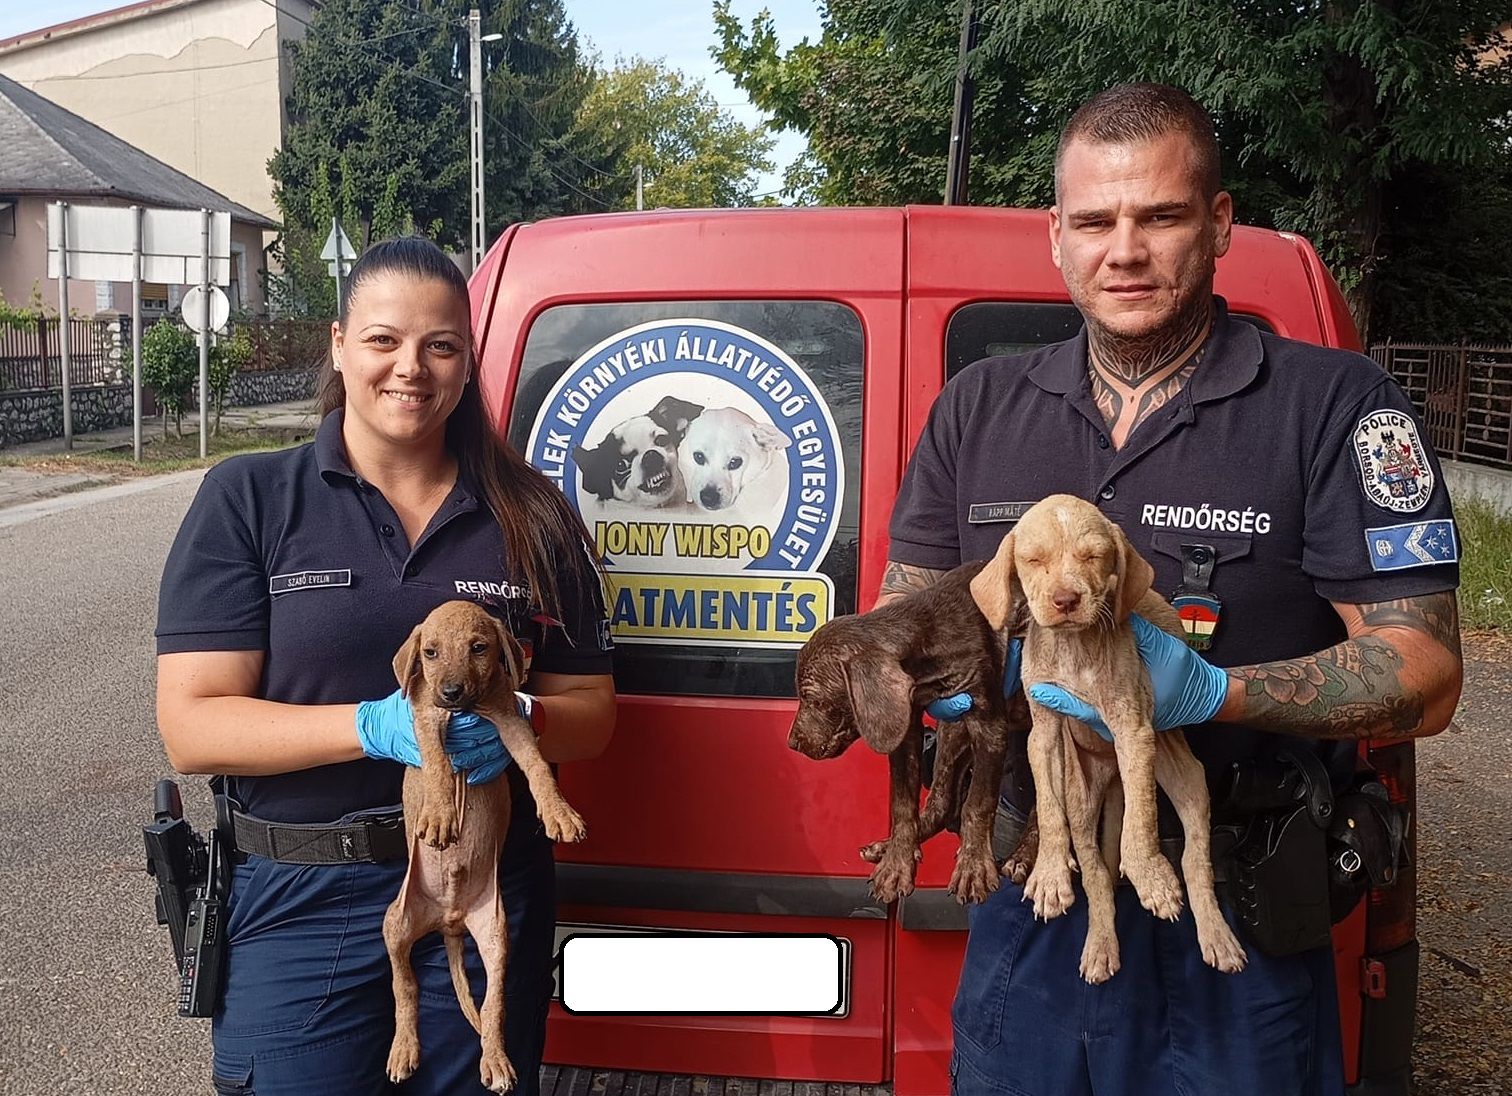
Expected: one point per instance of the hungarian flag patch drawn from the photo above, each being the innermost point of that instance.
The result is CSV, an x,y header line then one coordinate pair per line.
x,y
1199,617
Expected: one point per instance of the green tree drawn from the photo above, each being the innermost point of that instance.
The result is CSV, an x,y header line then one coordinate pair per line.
x,y
693,153
170,366
1322,109
380,92
228,357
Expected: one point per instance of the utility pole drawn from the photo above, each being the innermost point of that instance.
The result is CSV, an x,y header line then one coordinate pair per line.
x,y
958,167
65,341
475,98
640,187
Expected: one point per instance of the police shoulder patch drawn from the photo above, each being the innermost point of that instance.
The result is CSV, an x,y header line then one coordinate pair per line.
x,y
1394,469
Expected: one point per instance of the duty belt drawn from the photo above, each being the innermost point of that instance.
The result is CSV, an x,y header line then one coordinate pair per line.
x,y
371,840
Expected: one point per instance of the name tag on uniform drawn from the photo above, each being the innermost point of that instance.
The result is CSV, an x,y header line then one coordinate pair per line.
x,y
985,513
308,580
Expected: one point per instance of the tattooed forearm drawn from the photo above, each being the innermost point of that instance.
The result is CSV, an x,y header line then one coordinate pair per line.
x,y
1397,676
1436,615
1353,690
904,578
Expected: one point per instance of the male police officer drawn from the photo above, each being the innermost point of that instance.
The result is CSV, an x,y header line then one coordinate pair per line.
x,y
1286,491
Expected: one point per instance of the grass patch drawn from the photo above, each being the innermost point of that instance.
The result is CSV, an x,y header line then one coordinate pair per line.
x,y
1485,593
160,454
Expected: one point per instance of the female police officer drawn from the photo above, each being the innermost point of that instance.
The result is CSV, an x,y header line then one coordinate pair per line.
x,y
295,577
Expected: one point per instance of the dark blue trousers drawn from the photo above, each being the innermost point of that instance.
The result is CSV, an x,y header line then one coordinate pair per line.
x,y
1165,1025
309,1005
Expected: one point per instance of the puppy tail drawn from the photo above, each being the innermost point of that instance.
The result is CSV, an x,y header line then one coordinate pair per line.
x,y
459,981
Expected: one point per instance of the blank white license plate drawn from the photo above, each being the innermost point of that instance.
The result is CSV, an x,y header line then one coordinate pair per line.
x,y
617,969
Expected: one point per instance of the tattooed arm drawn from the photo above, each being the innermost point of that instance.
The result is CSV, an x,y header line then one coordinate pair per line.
x,y
1397,676
904,578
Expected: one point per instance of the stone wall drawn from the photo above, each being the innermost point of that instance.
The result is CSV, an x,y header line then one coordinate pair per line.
x,y
273,386
37,414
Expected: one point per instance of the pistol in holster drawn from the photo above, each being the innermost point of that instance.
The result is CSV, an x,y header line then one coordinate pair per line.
x,y
193,877
1301,857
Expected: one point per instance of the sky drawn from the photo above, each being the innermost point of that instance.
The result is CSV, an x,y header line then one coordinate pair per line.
x,y
680,31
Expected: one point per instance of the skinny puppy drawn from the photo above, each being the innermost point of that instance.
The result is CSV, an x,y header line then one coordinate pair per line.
x,y
1080,579
461,659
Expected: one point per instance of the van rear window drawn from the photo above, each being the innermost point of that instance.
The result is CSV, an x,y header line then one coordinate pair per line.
x,y
713,449
989,329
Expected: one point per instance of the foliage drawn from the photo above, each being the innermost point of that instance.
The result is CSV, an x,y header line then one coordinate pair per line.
x,y
693,153
1321,108
228,357
380,96
1485,593
25,315
170,365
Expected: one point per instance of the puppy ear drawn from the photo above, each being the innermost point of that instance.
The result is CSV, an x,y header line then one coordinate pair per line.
x,y
511,654
595,475
674,414
992,588
407,662
769,437
1135,576
881,700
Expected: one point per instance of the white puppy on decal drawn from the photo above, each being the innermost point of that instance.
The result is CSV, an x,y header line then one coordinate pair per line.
x,y
726,457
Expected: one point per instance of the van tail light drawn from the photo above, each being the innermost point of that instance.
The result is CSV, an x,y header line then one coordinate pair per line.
x,y
1391,912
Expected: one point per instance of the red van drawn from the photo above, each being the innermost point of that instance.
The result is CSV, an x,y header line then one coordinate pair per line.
x,y
729,398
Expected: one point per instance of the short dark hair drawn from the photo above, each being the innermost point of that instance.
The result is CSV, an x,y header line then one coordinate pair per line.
x,y
1128,113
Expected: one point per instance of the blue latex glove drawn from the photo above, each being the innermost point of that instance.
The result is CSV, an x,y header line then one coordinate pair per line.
x,y
948,709
1187,689
386,731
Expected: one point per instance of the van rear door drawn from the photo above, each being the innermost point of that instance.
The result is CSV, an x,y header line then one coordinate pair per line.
x,y
718,395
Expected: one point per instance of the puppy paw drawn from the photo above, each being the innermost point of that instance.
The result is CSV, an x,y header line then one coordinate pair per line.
x,y
437,825
893,877
1157,886
562,823
1220,949
496,1072
975,876
1099,960
1049,888
874,852
1018,866
404,1056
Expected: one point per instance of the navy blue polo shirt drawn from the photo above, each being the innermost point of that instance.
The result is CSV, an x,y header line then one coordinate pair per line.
x,y
1303,469
293,554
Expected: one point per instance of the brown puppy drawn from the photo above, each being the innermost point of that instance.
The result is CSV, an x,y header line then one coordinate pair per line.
x,y
461,659
1080,579
869,676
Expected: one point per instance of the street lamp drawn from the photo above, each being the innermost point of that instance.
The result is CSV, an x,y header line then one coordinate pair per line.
x,y
475,40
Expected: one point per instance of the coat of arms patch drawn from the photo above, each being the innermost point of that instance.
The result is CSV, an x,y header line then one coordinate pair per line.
x,y
1394,468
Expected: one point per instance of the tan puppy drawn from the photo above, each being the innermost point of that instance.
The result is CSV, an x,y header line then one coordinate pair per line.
x,y
1080,579
461,659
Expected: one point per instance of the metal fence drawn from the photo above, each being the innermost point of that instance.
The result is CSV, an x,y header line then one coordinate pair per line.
x,y
1464,394
31,353
287,344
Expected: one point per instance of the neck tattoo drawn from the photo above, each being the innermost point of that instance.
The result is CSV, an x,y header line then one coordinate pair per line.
x,y
1131,379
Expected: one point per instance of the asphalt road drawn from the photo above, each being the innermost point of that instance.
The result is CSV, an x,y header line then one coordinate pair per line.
x,y
86,986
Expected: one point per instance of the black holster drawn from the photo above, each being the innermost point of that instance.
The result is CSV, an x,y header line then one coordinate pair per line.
x,y
1302,857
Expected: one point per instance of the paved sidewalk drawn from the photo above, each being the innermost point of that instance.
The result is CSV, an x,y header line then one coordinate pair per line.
x,y
19,486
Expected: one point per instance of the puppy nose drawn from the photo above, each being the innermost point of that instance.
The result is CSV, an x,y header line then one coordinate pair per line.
x,y
450,693
653,461
709,496
1065,600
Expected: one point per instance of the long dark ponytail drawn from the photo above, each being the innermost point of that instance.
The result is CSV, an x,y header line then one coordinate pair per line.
x,y
544,540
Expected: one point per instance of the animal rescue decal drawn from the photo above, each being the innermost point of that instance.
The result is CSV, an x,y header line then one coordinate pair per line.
x,y
707,466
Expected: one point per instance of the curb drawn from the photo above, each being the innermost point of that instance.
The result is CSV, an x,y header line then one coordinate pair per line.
x,y
30,511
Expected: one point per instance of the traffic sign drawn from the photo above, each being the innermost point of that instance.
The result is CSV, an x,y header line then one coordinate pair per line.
x,y
194,306
338,249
